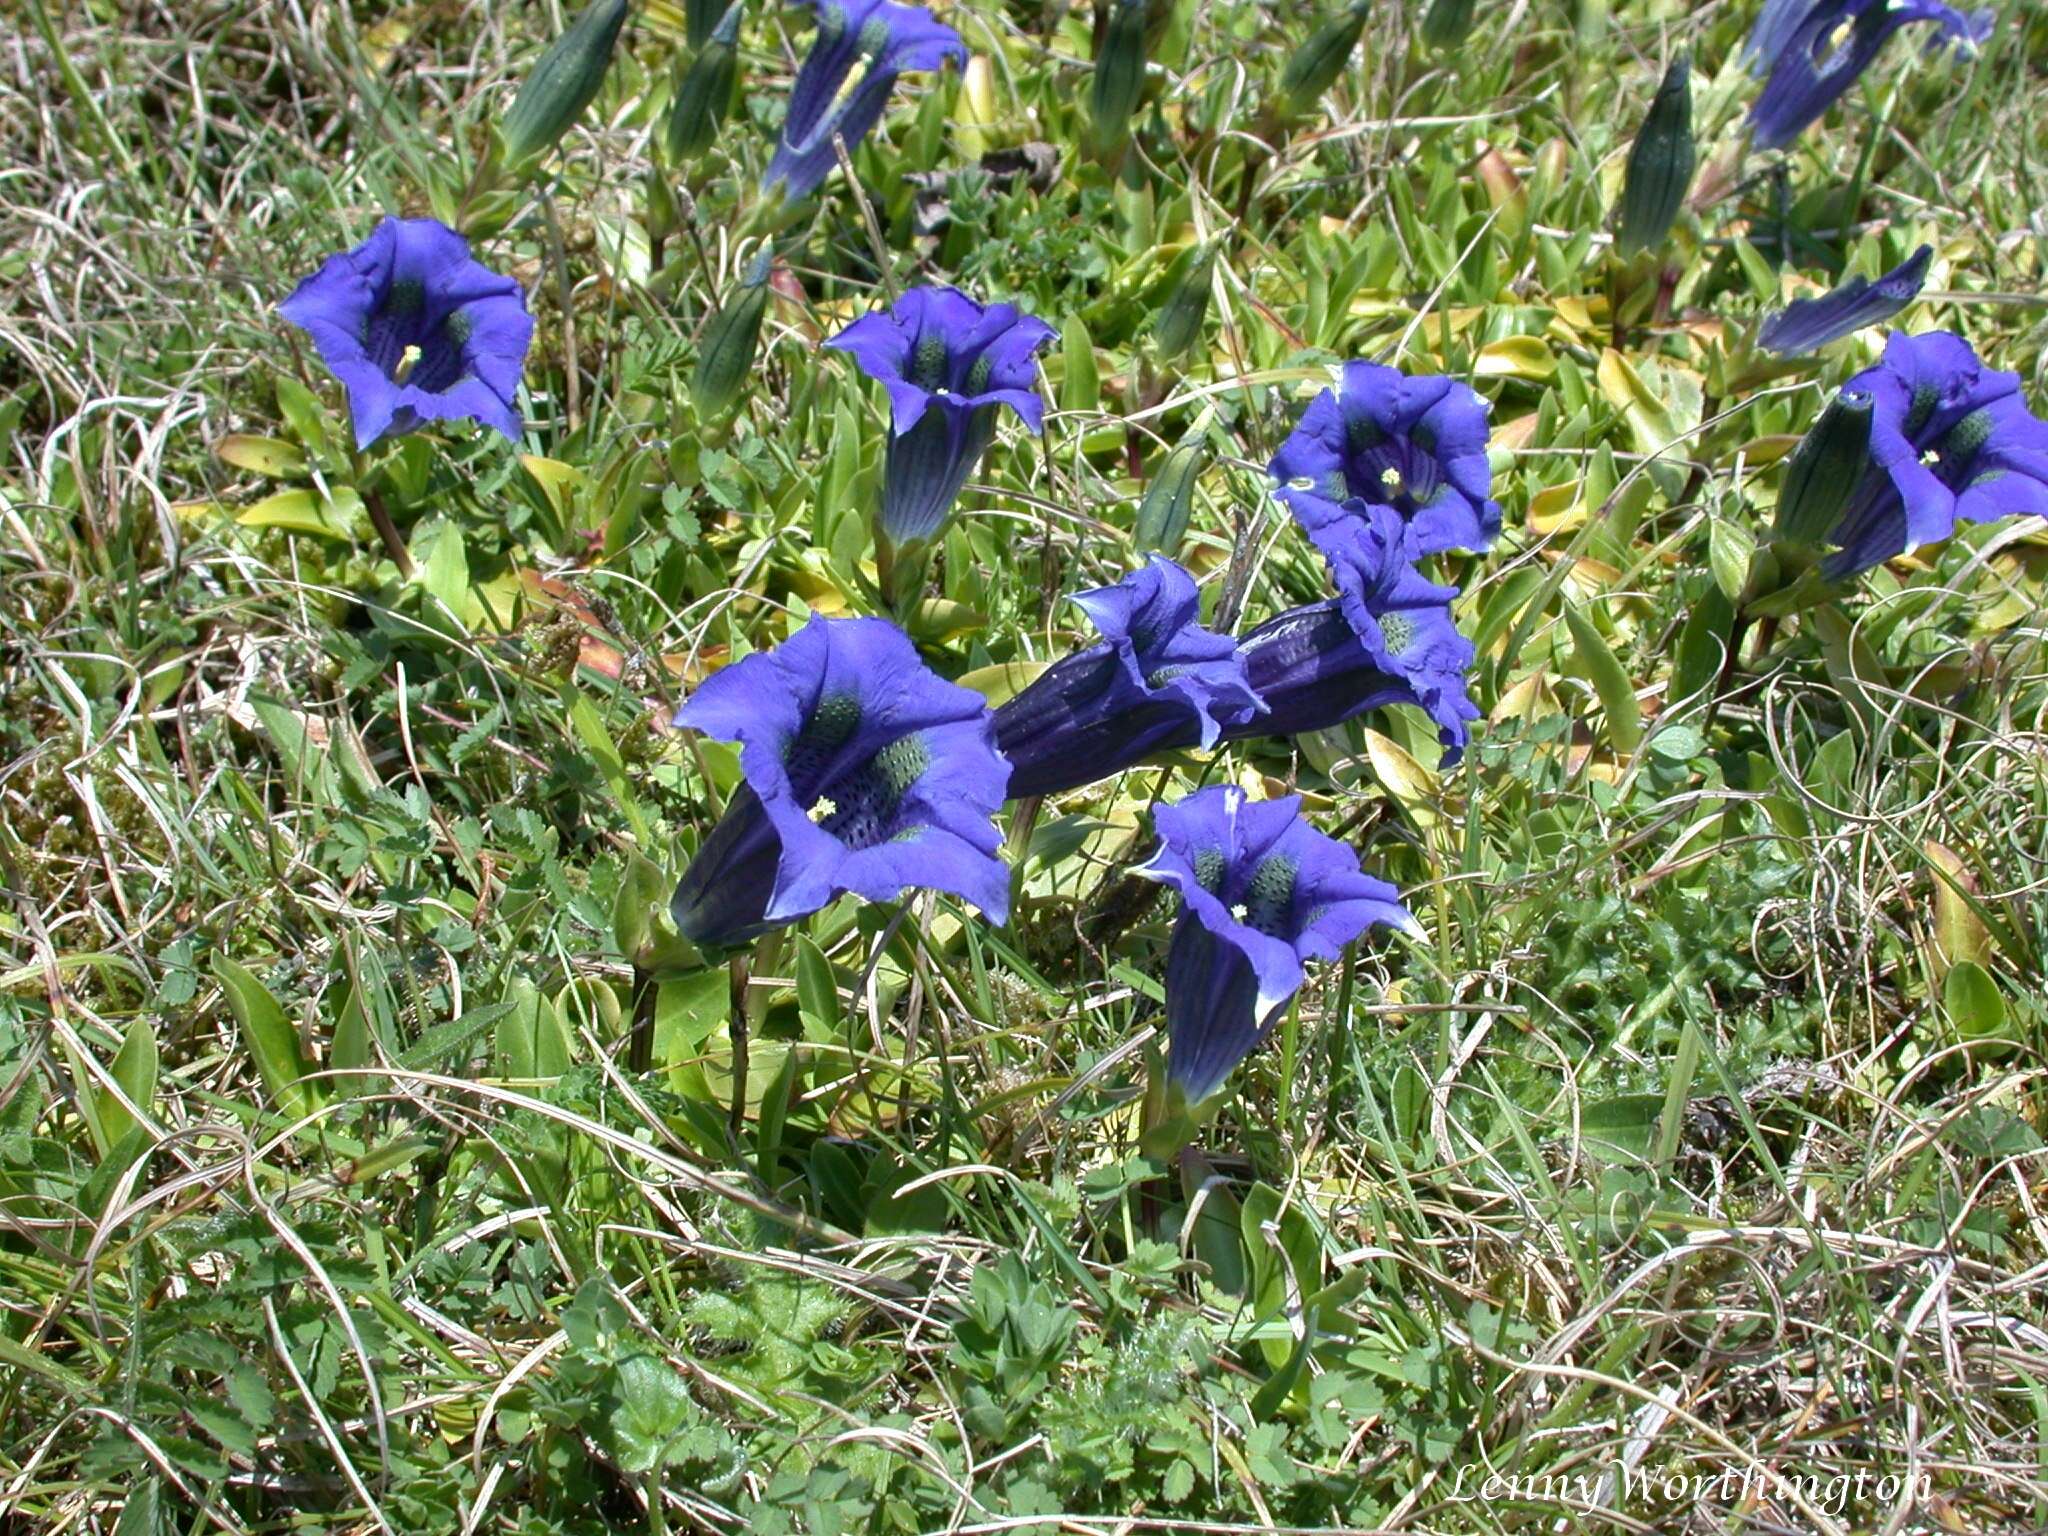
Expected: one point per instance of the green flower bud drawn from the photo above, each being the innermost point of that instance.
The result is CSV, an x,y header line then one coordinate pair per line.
x,y
563,82
1660,163
1179,324
704,93
1119,78
1170,498
1824,471
1315,65
725,352
1447,23
701,19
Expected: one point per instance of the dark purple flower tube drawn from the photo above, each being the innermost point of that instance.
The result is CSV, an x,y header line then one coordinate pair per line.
x,y
1157,681
864,772
884,39
949,365
416,330
1262,892
1950,441
1807,325
1383,439
1811,52
1389,638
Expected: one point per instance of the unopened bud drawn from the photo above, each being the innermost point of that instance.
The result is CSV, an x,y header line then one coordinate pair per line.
x,y
704,93
1825,470
725,354
563,83
1314,67
1170,498
1187,301
1660,163
1119,78
1447,23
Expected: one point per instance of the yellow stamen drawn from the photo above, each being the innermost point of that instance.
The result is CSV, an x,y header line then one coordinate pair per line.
x,y
1390,477
407,361
822,810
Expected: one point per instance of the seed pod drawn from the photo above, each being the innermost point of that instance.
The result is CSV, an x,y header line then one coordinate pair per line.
x,y
1447,23
1170,498
704,93
1187,303
1660,163
725,354
1825,470
1119,78
563,82
1315,65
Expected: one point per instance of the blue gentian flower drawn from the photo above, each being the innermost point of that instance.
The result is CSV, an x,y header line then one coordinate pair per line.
x,y
416,330
1950,441
863,771
949,365
1388,638
1158,680
1417,445
887,40
1262,892
1807,325
1811,51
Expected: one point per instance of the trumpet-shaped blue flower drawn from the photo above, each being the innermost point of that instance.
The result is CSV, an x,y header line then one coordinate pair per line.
x,y
1388,638
1950,441
1262,892
1807,325
1811,51
949,365
1384,439
863,770
416,330
1158,680
888,40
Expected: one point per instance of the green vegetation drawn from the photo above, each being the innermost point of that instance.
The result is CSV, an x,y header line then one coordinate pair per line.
x,y
366,1156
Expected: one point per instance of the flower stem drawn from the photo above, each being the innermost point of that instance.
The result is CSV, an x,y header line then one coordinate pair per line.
x,y
736,1029
394,546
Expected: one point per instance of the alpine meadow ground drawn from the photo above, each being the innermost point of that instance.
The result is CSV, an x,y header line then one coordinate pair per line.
x,y
1007,768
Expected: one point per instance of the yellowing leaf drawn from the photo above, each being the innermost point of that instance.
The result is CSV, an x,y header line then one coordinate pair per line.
x,y
302,511
271,456
1416,787
1003,681
1515,357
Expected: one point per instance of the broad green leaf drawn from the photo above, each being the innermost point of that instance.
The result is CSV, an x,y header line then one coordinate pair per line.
x,y
269,456
272,1038
1973,1001
134,1068
1610,681
302,510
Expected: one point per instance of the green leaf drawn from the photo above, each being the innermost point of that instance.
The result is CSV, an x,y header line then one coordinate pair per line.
x,y
269,456
1973,1002
590,730
447,1045
1081,387
688,1011
303,510
1610,682
135,1068
272,1038
1729,551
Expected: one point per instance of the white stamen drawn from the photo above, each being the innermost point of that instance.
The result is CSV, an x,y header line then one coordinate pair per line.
x,y
1930,457
822,810
1240,912
408,360
1390,477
